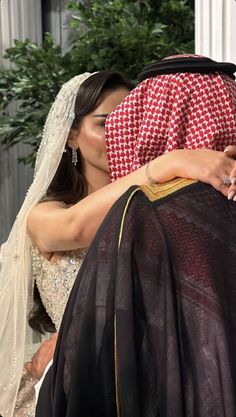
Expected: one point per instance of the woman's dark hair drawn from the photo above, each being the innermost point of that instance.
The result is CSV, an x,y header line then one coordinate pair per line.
x,y
69,183
39,319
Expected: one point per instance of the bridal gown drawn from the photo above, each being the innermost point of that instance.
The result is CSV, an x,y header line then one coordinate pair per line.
x,y
54,282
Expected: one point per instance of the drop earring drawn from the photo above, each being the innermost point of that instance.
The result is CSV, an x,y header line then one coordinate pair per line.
x,y
74,159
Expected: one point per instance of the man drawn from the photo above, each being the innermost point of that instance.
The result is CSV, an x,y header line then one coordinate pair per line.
x,y
150,326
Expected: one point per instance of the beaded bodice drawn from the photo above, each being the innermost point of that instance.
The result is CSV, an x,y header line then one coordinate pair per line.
x,y
55,280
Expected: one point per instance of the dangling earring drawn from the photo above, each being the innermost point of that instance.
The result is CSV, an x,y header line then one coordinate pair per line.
x,y
74,159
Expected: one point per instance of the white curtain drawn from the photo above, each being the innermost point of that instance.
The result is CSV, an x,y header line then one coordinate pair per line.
x,y
215,29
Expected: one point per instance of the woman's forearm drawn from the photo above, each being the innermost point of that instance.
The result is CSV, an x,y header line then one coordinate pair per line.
x,y
65,229
89,213
54,228
204,165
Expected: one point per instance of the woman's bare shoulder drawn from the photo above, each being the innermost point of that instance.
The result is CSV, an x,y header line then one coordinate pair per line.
x,y
41,217
44,208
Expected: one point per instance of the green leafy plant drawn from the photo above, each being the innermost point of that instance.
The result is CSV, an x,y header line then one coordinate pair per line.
x,y
126,35
119,34
36,76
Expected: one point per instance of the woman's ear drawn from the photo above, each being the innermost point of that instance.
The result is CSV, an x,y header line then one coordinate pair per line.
x,y
72,140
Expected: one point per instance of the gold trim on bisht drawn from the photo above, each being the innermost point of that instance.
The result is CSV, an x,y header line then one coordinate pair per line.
x,y
118,407
158,191
116,371
124,214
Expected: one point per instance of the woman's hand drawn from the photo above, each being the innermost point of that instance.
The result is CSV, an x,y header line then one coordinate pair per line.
x,y
208,166
230,151
42,357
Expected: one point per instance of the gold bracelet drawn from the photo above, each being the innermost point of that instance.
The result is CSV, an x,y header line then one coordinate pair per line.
x,y
151,181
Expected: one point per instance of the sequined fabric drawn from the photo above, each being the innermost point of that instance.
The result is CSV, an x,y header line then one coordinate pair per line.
x,y
55,280
25,403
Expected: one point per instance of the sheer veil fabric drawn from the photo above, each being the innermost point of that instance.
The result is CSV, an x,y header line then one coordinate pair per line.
x,y
16,283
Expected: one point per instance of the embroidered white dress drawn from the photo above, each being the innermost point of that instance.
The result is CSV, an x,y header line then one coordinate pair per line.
x,y
54,282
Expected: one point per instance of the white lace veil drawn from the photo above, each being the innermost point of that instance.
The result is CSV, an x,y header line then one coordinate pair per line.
x,y
16,283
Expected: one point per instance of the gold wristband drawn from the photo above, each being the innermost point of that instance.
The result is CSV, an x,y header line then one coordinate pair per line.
x,y
151,181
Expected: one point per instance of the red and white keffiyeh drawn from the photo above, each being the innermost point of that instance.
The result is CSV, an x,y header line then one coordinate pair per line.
x,y
171,111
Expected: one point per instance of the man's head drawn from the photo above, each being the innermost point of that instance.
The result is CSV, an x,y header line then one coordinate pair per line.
x,y
187,104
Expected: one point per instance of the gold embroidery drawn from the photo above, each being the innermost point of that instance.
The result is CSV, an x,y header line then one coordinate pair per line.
x,y
124,214
116,370
156,192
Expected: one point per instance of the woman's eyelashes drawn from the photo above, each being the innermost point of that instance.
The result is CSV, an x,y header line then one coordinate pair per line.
x,y
101,122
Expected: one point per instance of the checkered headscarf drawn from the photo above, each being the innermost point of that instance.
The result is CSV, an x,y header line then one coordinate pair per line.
x,y
171,111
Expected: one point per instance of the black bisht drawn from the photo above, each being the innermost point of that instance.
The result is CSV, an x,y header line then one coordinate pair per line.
x,y
149,329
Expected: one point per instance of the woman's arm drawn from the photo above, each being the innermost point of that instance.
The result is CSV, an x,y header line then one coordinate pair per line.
x,y
54,228
42,357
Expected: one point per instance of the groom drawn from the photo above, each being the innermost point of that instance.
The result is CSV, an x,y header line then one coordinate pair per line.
x,y
149,329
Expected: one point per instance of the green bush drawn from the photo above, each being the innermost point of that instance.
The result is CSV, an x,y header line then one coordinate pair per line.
x,y
119,34
33,82
126,35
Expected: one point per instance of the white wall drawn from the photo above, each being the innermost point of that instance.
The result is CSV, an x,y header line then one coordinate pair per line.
x,y
19,19
56,21
215,29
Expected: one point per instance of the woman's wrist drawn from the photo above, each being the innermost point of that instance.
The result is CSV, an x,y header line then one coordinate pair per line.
x,y
150,179
178,162
164,168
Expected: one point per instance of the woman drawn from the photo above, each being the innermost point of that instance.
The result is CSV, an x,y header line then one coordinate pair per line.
x,y
78,221
149,329
59,181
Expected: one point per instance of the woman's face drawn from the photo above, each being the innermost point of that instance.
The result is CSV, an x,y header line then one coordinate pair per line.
x,y
90,138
